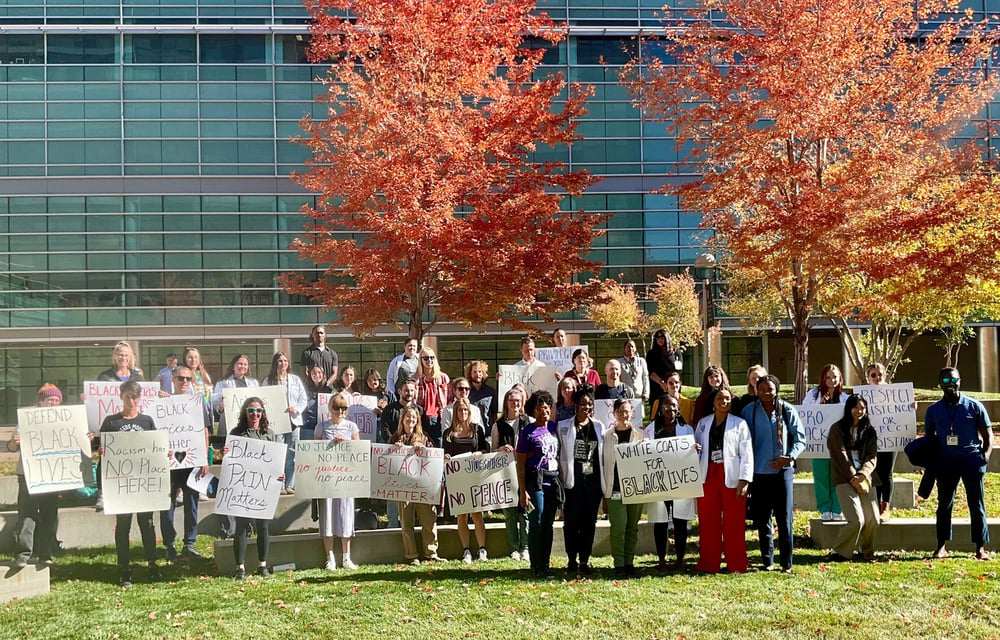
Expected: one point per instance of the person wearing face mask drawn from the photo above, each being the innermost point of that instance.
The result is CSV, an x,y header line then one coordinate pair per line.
x,y
964,433
581,438
236,377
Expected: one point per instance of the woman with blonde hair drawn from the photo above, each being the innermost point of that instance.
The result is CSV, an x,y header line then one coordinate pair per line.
x,y
462,438
336,515
504,438
201,382
123,366
433,393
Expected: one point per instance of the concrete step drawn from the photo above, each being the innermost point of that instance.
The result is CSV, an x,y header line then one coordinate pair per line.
x,y
385,546
902,464
18,583
908,533
903,493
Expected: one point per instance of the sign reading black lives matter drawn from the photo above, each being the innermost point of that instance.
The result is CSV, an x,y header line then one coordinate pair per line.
x,y
182,418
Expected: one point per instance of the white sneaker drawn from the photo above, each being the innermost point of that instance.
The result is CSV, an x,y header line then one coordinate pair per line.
x,y
827,516
347,564
482,554
839,517
467,557
514,555
525,557
415,562
331,564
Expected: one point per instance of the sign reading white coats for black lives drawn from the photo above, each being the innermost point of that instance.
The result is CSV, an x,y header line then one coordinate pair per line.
x,y
328,469
559,357
248,482
604,410
135,472
403,475
274,398
817,420
892,413
182,417
664,469
55,449
102,400
534,378
481,482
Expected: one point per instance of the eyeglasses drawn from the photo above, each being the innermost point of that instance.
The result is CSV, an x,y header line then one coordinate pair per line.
x,y
427,358
183,378
949,380
255,410
338,408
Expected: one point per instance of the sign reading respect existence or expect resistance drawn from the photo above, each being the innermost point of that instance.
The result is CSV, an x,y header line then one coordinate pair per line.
x,y
135,472
55,449
248,484
328,469
273,397
664,469
182,417
403,475
481,482
102,400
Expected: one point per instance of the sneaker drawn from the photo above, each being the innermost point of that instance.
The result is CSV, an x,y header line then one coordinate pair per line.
x,y
827,516
241,573
191,552
331,564
263,572
839,517
125,580
21,561
515,555
46,562
482,554
154,574
525,557
171,554
415,562
433,558
467,557
348,564
100,503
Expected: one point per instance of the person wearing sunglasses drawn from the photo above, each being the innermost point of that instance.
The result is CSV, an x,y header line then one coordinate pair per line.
x,y
963,430
433,392
461,388
336,515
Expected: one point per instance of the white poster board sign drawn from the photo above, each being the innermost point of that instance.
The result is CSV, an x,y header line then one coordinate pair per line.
x,y
817,420
353,400
181,417
248,483
604,410
478,483
664,469
402,475
102,399
135,472
328,469
892,411
533,377
560,357
55,449
274,398
365,419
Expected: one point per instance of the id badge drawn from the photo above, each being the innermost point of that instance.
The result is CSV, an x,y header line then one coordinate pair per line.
x,y
588,468
717,455
952,441
616,495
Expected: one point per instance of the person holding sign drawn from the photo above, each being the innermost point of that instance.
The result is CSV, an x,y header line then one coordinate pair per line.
x,y
538,479
465,436
236,377
503,437
963,430
178,480
336,515
38,514
281,375
130,420
778,439
316,384
853,445
201,382
624,517
410,433
886,460
829,391
584,486
122,365
528,353
726,454
669,423
252,423
581,371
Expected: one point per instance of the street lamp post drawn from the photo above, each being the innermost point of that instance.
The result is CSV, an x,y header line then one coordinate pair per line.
x,y
706,264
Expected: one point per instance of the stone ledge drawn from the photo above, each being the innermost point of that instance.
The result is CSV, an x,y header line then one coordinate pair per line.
x,y
908,533
18,583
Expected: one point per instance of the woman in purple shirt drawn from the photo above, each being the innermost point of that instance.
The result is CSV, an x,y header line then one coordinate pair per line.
x,y
540,488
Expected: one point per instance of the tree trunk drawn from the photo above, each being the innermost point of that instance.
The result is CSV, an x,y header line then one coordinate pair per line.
x,y
800,333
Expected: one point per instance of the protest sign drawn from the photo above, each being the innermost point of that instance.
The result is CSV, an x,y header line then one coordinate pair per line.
x,y
664,469
273,397
55,449
481,482
102,399
604,410
402,475
135,472
248,484
328,469
353,400
560,357
817,420
365,419
533,377
891,409
183,419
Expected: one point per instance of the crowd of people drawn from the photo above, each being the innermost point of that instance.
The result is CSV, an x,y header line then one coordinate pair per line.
x,y
747,448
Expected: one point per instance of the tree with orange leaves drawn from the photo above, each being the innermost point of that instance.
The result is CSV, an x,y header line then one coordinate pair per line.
x,y
431,205
824,132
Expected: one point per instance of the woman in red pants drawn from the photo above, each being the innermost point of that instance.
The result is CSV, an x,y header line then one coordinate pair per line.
x,y
726,455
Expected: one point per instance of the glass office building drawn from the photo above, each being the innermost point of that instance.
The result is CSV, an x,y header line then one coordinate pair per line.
x,y
144,189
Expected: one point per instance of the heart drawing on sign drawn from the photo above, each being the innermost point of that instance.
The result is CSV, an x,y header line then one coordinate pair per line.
x,y
179,456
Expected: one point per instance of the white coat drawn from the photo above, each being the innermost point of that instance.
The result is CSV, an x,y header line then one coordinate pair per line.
x,y
567,444
737,449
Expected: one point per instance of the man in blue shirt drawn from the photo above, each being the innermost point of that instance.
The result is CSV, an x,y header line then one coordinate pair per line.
x,y
778,439
962,427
